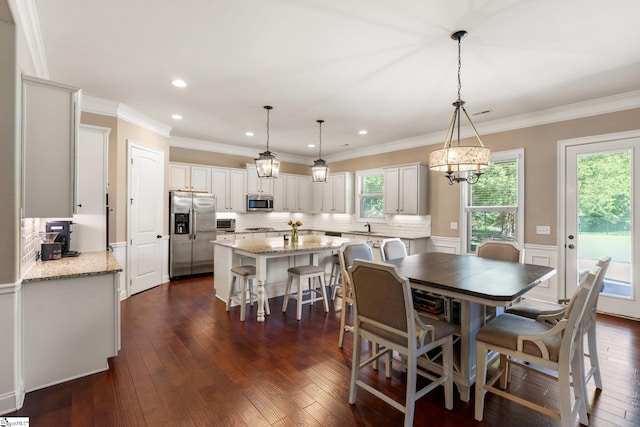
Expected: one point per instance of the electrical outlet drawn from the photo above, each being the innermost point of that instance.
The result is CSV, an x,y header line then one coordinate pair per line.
x,y
543,229
453,225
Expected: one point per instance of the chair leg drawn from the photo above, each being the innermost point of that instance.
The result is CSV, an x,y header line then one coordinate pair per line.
x,y
323,289
355,367
481,378
410,402
579,384
299,298
343,320
564,395
267,309
593,356
287,293
232,289
243,299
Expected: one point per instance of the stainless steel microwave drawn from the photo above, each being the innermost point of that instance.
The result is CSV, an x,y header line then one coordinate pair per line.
x,y
228,224
259,203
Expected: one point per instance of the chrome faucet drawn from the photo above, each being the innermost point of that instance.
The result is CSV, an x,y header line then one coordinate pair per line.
x,y
368,226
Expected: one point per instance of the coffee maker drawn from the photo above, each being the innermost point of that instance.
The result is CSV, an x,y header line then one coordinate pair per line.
x,y
63,228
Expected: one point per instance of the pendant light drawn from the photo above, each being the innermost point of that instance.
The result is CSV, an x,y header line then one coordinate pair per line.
x,y
319,170
267,165
456,160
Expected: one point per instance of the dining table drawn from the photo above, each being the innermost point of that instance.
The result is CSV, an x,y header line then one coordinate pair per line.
x,y
467,285
259,251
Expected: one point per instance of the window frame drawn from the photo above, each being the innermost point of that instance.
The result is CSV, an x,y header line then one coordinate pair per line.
x,y
358,194
498,156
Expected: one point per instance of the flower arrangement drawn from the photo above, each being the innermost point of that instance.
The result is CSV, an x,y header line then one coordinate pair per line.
x,y
294,229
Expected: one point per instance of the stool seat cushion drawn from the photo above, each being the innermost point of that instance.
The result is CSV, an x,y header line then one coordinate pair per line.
x,y
306,269
244,270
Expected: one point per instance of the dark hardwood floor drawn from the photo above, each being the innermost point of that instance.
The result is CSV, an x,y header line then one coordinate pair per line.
x,y
186,361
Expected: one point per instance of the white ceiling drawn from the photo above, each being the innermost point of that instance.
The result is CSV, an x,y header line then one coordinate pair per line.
x,y
385,66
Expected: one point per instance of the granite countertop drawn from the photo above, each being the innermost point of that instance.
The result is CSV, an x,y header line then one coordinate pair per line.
x,y
403,235
85,264
275,245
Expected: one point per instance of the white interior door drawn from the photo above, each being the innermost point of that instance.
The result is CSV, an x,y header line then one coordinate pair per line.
x,y
601,217
146,213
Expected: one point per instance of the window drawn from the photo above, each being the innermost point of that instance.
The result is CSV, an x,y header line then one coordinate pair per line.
x,y
494,206
370,194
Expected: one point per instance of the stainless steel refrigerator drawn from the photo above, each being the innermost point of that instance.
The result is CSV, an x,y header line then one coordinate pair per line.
x,y
192,219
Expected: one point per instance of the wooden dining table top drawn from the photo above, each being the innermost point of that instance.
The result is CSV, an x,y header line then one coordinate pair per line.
x,y
465,275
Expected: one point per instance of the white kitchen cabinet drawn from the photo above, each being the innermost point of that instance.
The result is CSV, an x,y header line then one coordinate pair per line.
x,y
292,193
50,119
256,185
405,190
228,185
337,193
91,172
184,176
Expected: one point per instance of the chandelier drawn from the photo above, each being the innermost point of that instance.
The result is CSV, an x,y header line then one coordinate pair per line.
x,y
319,170
457,160
267,165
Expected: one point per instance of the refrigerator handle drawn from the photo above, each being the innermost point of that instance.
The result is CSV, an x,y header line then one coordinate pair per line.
x,y
195,222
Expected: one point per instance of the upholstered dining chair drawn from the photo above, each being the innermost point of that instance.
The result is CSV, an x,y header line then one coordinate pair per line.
x,y
384,313
551,350
501,250
349,252
392,248
552,312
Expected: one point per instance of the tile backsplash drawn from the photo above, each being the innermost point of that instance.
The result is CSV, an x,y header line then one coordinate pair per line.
x,y
30,242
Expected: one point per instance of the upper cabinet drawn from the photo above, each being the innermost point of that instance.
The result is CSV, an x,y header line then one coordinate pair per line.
x,y
292,193
50,122
336,195
183,176
405,190
256,185
92,176
228,185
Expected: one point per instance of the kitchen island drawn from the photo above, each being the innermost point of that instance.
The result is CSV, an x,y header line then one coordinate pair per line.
x,y
71,318
272,257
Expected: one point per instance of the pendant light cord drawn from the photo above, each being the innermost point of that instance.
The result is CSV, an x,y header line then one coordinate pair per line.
x,y
268,109
320,149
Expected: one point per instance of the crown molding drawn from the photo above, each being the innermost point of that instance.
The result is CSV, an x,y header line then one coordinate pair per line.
x,y
26,16
216,147
105,107
594,107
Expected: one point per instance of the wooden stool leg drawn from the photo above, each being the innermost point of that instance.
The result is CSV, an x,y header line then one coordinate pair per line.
x,y
299,297
323,289
243,299
231,291
287,293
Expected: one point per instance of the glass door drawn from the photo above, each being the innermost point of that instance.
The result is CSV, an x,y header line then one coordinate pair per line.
x,y
601,219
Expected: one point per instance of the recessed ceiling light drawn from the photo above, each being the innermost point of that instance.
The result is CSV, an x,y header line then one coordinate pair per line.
x,y
249,133
176,116
311,145
362,132
178,83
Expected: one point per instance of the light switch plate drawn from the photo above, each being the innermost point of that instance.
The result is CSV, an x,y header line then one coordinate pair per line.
x,y
453,225
543,229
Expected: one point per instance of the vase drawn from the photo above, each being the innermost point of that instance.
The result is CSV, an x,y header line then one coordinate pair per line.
x,y
294,235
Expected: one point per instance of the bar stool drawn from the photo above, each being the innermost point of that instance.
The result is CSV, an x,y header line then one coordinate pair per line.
x,y
334,279
313,275
246,275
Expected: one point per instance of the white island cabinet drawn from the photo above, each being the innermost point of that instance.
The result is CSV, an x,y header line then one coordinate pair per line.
x,y
71,318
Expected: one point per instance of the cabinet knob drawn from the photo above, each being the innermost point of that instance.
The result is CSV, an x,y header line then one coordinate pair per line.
x,y
80,205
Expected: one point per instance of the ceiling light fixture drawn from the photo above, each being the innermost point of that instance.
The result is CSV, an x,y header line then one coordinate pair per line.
x,y
267,165
457,159
178,83
362,132
319,170
176,116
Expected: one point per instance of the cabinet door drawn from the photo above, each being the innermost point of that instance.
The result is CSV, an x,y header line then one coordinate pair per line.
x,y
304,193
179,176
219,188
291,190
318,196
391,185
339,194
201,178
327,195
280,194
237,190
50,119
408,190
92,170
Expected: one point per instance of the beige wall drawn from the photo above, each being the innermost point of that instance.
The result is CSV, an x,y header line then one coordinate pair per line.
x,y
540,145
121,132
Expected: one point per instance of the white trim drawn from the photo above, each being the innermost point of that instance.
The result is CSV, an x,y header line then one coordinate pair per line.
x,y
358,175
496,156
547,256
26,15
217,147
105,107
120,252
449,245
